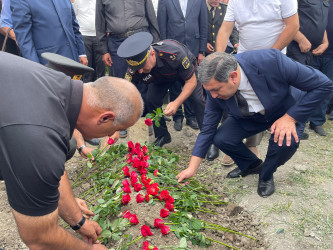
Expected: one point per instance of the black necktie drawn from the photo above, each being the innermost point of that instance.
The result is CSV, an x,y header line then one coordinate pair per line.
x,y
211,12
242,104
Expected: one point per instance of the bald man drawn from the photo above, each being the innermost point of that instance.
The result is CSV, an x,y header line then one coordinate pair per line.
x,y
39,109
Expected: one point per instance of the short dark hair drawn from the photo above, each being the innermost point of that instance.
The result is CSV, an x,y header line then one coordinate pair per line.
x,y
218,65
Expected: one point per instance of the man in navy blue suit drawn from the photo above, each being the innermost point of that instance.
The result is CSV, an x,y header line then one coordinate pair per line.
x,y
254,88
47,26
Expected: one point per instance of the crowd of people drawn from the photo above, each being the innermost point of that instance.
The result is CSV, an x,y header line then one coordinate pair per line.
x,y
236,68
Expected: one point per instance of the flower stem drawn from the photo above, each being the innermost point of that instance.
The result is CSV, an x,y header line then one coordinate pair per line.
x,y
134,240
222,243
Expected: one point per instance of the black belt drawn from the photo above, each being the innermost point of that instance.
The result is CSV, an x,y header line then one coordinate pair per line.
x,y
128,33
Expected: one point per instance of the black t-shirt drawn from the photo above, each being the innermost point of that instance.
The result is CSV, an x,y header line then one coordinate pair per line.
x,y
39,108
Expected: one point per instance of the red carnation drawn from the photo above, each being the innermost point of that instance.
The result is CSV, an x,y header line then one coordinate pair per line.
x,y
126,171
126,214
134,220
169,206
126,199
127,189
134,181
139,198
148,122
147,197
155,172
145,245
145,231
165,194
145,149
137,187
130,145
153,189
164,213
165,229
169,199
158,223
155,248
125,182
159,197
143,171
110,141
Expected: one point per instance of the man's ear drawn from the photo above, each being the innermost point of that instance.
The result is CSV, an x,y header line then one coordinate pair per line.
x,y
106,117
234,75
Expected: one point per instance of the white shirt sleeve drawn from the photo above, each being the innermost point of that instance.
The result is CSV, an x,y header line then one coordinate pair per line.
x,y
230,14
288,8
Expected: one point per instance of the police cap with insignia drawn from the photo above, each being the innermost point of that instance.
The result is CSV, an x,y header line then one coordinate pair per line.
x,y
135,49
66,65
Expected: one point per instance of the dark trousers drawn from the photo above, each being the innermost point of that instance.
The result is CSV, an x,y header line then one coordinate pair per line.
x,y
94,59
325,65
154,100
11,46
294,52
231,133
119,65
174,92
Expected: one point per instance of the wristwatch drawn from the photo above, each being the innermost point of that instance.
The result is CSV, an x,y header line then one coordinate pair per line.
x,y
80,148
80,224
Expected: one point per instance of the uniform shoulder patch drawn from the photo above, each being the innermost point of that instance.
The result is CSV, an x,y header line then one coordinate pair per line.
x,y
129,74
186,62
167,55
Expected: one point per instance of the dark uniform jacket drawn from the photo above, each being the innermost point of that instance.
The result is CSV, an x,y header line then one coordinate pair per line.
x,y
214,24
174,61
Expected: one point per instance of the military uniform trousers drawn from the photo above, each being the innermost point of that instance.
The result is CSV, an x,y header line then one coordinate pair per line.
x,y
154,99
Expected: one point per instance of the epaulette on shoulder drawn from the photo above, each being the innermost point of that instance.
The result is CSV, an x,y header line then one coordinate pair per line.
x,y
167,55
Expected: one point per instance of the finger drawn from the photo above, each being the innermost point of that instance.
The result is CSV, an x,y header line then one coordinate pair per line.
x,y
294,133
180,177
87,212
288,138
276,135
281,138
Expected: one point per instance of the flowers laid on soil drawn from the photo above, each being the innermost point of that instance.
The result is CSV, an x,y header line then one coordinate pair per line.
x,y
126,177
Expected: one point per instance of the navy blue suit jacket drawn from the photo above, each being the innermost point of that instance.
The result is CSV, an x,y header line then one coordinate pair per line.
x,y
190,30
46,26
271,75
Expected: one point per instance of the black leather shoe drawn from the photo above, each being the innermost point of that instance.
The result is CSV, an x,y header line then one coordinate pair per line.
x,y
236,173
160,141
192,123
167,119
213,153
266,188
319,130
305,136
178,125
330,116
93,141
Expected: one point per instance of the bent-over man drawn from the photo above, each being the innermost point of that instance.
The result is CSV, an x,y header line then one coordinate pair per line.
x,y
254,88
39,109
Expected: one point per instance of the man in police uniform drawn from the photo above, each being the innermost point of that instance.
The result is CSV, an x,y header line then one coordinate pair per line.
x,y
160,65
39,109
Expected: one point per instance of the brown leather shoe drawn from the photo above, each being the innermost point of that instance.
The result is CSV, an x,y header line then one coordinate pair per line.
x,y
227,160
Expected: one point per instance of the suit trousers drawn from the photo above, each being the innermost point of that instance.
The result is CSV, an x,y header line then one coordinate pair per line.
x,y
119,65
229,139
325,65
94,59
154,100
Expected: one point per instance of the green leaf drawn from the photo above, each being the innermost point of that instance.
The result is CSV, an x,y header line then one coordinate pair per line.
x,y
106,233
157,124
116,236
196,224
183,242
100,201
89,164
